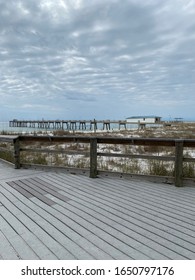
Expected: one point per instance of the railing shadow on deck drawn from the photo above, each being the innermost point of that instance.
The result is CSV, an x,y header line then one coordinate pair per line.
x,y
21,144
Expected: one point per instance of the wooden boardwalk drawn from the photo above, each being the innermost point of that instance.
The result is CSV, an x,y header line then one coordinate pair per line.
x,y
47,215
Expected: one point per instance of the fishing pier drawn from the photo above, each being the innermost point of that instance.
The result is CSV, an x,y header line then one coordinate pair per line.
x,y
77,124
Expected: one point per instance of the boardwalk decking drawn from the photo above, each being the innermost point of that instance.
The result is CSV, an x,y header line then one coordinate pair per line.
x,y
47,215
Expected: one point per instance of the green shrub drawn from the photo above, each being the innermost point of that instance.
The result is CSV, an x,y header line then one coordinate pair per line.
x,y
131,166
7,155
189,169
160,168
33,158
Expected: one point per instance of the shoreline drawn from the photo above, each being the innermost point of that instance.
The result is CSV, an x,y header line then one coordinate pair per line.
x,y
175,130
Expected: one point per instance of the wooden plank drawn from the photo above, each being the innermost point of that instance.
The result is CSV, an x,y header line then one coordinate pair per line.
x,y
31,186
70,170
20,189
7,138
144,235
55,139
133,251
109,140
6,249
103,245
115,231
157,197
46,184
46,189
141,156
54,231
170,235
31,247
19,245
36,224
140,199
8,172
49,151
34,193
116,184
70,228
128,244
103,218
176,225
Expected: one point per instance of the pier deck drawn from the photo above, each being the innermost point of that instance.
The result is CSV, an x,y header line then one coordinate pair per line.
x,y
78,124
49,215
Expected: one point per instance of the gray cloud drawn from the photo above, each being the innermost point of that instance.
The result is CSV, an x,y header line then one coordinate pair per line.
x,y
134,56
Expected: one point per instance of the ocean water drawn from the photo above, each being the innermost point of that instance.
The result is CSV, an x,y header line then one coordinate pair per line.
x,y
4,126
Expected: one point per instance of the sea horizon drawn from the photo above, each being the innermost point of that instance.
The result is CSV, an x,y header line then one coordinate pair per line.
x,y
4,126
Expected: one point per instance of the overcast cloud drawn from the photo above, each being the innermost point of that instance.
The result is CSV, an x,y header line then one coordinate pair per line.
x,y
84,59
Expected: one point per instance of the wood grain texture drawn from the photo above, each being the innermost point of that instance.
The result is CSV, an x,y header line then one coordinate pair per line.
x,y
103,218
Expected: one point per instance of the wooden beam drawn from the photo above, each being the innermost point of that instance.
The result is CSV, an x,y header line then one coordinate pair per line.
x,y
141,156
93,157
17,152
179,163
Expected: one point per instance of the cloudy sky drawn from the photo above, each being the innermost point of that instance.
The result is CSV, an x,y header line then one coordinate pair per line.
x,y
85,59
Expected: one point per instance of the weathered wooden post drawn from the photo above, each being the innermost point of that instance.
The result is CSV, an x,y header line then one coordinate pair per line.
x,y
93,157
139,125
17,152
95,126
179,163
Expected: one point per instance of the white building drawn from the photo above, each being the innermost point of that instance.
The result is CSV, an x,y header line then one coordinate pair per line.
x,y
144,119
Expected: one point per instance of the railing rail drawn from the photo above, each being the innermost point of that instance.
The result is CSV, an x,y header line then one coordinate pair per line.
x,y
178,144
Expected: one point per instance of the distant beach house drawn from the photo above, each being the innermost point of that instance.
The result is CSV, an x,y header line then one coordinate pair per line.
x,y
144,119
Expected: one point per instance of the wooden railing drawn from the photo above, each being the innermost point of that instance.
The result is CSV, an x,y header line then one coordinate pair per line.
x,y
178,145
